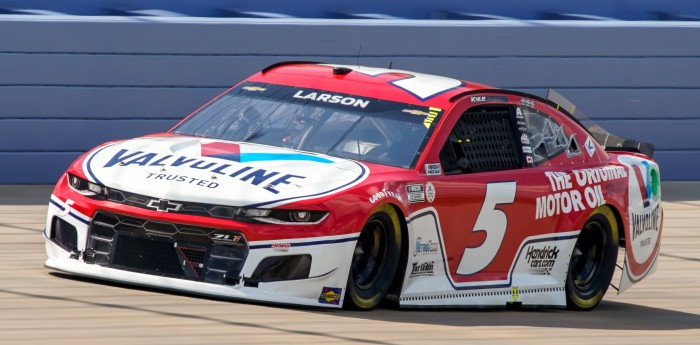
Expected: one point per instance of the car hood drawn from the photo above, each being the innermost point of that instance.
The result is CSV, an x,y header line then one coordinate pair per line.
x,y
219,172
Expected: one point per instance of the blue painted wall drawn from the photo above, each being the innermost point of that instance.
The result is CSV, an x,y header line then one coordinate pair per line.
x,y
67,85
415,9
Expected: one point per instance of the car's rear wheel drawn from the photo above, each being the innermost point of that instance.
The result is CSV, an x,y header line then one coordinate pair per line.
x,y
375,260
593,260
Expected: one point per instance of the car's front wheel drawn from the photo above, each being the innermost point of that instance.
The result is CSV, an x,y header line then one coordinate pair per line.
x,y
593,261
375,260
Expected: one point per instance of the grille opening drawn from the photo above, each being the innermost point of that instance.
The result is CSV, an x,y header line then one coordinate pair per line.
x,y
158,227
277,268
167,249
195,258
64,234
147,254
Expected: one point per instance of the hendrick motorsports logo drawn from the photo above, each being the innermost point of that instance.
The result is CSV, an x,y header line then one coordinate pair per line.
x,y
541,260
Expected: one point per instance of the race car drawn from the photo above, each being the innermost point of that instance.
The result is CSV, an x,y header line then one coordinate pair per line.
x,y
345,186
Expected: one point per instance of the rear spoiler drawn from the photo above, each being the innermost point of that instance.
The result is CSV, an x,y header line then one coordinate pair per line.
x,y
610,142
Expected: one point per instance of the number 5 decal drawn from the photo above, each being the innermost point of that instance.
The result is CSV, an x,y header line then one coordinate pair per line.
x,y
494,222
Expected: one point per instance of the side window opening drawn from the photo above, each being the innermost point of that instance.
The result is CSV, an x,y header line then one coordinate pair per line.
x,y
547,138
482,140
574,149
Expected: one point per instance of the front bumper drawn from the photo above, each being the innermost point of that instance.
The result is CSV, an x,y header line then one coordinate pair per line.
x,y
85,255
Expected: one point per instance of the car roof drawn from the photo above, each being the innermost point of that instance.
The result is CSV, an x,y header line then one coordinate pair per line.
x,y
383,83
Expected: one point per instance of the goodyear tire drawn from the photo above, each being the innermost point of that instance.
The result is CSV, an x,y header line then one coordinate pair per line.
x,y
375,260
593,261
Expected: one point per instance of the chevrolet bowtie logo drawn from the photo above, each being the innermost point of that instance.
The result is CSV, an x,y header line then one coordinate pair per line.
x,y
163,205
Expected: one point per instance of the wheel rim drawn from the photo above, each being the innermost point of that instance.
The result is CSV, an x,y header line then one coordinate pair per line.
x,y
368,257
587,256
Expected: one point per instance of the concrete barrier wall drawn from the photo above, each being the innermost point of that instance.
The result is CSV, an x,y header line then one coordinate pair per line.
x,y
68,85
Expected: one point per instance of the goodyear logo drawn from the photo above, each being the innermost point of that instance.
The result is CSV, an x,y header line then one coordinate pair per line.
x,y
433,113
330,295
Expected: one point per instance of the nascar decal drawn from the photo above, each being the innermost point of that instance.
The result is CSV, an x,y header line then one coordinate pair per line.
x,y
213,171
645,216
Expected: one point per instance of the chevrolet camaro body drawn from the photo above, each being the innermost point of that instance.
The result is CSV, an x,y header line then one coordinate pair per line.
x,y
263,194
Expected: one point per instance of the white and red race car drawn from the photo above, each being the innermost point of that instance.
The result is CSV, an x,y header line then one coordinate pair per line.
x,y
333,185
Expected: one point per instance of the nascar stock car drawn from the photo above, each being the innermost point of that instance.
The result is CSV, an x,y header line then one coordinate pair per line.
x,y
343,186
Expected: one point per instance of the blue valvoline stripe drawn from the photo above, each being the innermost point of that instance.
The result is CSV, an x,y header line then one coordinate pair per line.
x,y
255,157
312,243
362,174
89,163
70,213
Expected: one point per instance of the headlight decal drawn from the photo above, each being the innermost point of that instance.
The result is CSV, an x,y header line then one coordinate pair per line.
x,y
246,215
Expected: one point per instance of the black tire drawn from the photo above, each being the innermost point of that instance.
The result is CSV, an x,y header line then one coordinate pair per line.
x,y
375,260
593,260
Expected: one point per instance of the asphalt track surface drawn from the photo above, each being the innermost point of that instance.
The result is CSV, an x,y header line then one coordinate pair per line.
x,y
40,306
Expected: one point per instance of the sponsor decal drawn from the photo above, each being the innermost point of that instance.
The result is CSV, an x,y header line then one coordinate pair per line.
x,y
268,180
330,295
430,191
589,194
529,160
416,112
645,217
162,205
527,149
645,221
225,237
282,247
422,269
433,169
645,224
254,88
331,98
527,102
183,178
425,248
415,193
478,99
515,293
519,114
650,186
434,112
524,139
384,193
232,152
541,260
590,147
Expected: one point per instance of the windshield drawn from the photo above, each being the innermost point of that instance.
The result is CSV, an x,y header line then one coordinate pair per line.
x,y
340,125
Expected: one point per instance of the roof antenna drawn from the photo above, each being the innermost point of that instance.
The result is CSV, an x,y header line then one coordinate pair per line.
x,y
359,52
390,63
